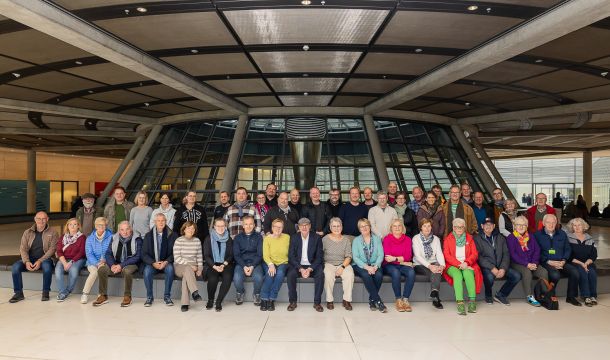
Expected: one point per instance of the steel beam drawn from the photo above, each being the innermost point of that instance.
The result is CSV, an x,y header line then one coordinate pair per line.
x,y
234,154
66,132
83,147
541,133
490,165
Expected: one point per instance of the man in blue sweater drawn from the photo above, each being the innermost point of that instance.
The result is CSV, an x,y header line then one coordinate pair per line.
x,y
555,251
248,254
353,211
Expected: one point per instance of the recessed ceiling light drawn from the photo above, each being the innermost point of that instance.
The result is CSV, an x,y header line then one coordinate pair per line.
x,y
305,47
306,2
538,61
305,75
418,50
3,138
228,77
146,104
194,51
142,9
90,91
472,8
305,93
16,75
78,62
385,76
467,104
322,2
126,11
604,74
39,138
488,10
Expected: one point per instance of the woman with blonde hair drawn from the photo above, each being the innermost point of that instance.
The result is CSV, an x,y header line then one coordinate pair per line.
x,y
71,257
584,254
275,264
140,215
367,252
95,249
398,254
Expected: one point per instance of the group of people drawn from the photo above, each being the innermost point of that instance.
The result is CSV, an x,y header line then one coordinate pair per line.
x,y
463,239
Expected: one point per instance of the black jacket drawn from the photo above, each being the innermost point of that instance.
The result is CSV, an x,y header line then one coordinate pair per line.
x,y
319,215
198,216
167,246
334,209
490,257
220,211
315,252
208,257
290,220
410,220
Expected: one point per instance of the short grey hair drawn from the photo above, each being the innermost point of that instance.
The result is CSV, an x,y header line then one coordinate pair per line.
x,y
547,217
575,221
335,220
382,193
458,221
161,214
521,220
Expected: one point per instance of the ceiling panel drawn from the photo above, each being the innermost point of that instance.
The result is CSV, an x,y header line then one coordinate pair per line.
x,y
532,103
154,32
582,45
88,104
107,73
381,86
159,91
413,104
306,61
56,81
171,108
352,100
453,90
83,4
19,93
509,71
240,86
143,112
306,84
199,105
259,101
300,100
7,64
563,80
438,29
402,64
213,64
306,26
473,112
36,47
443,108
536,3
591,94
603,62
495,96
122,97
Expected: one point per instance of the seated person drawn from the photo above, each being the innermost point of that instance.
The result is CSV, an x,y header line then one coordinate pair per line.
x,y
158,257
248,254
584,254
367,251
71,258
429,259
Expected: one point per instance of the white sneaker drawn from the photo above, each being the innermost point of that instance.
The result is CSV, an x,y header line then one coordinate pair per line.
x,y
84,298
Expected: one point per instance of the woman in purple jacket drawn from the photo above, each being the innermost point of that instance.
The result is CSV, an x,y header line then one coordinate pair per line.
x,y
525,257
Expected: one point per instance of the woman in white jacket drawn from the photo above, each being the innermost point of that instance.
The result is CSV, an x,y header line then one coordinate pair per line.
x,y
166,209
428,258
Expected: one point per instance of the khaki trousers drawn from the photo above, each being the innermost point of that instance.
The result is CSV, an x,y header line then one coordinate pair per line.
x,y
189,282
90,279
347,280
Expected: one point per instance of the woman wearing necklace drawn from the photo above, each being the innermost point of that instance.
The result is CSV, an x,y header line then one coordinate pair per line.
x,y
95,250
430,209
337,259
71,258
584,254
367,252
507,217
398,254
218,254
428,259
460,252
166,209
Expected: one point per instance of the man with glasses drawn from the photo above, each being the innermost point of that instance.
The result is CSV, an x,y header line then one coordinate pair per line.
x,y
497,203
456,208
536,213
334,202
38,245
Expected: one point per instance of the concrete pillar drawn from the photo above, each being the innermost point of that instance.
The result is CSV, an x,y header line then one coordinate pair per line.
x,y
137,161
488,182
117,175
232,167
587,177
31,182
490,165
371,133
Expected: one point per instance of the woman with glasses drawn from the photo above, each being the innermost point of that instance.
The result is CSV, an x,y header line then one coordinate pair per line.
x,y
337,259
367,252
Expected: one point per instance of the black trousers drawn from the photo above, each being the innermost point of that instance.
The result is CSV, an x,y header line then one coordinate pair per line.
x,y
226,276
570,271
318,278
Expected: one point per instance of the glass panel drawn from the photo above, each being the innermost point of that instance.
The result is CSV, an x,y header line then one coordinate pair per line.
x,y
55,196
70,194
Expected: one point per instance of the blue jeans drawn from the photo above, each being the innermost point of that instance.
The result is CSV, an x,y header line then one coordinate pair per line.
x,y
512,279
587,281
239,277
150,272
372,283
272,284
47,274
72,276
395,271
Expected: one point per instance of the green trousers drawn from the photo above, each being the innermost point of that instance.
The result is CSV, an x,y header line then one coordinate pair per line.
x,y
466,276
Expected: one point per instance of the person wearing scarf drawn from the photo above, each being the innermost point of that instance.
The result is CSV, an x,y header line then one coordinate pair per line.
x,y
71,255
432,210
429,259
398,256
507,217
236,212
261,207
219,264
406,213
525,257
367,252
461,255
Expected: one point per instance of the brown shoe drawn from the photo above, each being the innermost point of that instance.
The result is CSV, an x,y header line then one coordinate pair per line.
x,y
330,305
406,305
126,301
318,307
399,305
347,305
292,306
101,300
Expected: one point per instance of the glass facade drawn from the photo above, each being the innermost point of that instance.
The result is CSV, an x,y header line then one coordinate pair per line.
x,y
302,152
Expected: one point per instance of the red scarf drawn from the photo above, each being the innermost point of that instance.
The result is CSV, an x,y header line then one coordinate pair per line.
x,y
523,239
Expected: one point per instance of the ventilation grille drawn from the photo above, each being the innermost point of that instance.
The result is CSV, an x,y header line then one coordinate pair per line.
x,y
306,129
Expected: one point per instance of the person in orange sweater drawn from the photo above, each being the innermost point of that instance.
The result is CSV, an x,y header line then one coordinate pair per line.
x,y
460,252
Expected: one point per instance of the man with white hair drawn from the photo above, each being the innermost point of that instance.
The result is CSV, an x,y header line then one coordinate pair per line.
x,y
381,215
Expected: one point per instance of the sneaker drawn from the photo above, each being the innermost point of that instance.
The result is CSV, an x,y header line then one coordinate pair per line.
x,y
168,301
61,297
101,300
126,301
461,308
45,296
532,300
502,299
17,297
147,303
257,299
593,301
406,305
84,298
196,296
264,305
373,305
239,299
381,306
489,300
588,302
472,307
399,306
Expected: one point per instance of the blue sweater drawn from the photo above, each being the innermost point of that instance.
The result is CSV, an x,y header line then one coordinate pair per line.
x,y
555,248
358,246
350,214
248,249
94,249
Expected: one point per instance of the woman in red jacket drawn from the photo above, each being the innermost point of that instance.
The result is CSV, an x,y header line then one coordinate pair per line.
x,y
71,255
461,258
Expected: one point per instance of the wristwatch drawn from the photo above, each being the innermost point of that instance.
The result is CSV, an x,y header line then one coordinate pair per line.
x,y
343,266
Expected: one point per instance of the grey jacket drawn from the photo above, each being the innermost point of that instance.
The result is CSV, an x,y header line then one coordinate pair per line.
x,y
489,257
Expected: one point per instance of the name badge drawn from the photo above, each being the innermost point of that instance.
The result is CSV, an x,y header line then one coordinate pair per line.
x,y
552,251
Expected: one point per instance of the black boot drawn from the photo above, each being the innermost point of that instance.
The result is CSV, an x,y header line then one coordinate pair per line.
x,y
210,304
17,297
436,301
264,305
271,305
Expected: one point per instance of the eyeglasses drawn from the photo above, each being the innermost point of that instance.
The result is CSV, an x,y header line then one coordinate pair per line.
x,y
524,225
41,219
459,227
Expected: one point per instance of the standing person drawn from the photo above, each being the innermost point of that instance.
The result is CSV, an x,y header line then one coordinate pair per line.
x,y
352,211
456,208
117,208
367,252
248,254
381,215
337,259
418,195
318,213
275,264
481,211
584,254
188,260
369,202
334,201
86,214
507,217
261,207
295,202
166,209
221,209
305,259
398,256
392,190
461,257
429,259
494,260
270,195
282,211
237,211
158,257
140,215
406,214
581,208
96,246
537,212
558,205
466,194
497,203
432,210
438,191
191,211
219,264
38,245
71,258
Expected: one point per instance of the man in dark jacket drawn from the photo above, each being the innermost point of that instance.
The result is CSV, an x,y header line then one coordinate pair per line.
x,y
494,260
248,255
221,209
334,201
318,213
282,211
480,209
305,259
158,256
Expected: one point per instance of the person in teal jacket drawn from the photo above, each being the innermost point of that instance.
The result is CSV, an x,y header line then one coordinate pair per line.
x,y
367,252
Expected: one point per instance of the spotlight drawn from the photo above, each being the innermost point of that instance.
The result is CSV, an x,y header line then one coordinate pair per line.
x,y
305,93
306,2
142,9
538,61
77,62
472,8
146,104
305,47
418,50
16,75
604,74
194,51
